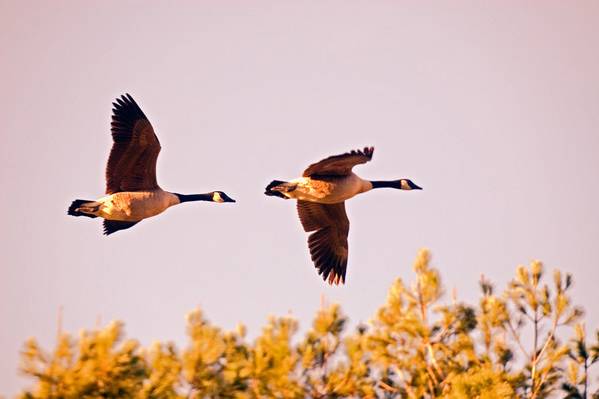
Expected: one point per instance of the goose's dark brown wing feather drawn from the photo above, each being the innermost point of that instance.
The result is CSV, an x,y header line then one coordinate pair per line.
x,y
339,165
328,242
132,161
112,226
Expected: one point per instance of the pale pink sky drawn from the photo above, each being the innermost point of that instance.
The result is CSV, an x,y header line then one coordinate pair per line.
x,y
492,108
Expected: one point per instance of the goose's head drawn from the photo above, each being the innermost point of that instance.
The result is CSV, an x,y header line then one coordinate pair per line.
x,y
407,184
220,197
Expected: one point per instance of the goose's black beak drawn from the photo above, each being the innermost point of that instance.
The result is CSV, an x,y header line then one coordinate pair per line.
x,y
226,198
413,186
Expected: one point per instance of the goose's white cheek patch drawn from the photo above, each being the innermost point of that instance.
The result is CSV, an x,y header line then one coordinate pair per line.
x,y
217,198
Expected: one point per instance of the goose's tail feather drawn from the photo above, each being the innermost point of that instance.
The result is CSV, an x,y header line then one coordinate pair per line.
x,y
276,188
81,207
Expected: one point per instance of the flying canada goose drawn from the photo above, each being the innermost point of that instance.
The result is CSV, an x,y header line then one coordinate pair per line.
x,y
321,193
132,191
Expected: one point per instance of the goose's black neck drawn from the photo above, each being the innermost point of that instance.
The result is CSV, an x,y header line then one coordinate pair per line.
x,y
386,183
194,197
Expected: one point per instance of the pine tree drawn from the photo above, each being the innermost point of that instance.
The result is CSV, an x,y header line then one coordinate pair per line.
x,y
417,345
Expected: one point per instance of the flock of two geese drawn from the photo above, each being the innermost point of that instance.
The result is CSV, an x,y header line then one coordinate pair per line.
x,y
133,194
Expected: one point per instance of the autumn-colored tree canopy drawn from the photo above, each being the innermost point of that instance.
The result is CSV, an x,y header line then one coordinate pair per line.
x,y
525,342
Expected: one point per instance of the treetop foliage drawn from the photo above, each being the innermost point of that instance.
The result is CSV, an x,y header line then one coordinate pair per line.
x,y
508,345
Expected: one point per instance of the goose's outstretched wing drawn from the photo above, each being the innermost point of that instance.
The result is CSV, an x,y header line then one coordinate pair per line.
x,y
328,242
132,161
111,226
339,165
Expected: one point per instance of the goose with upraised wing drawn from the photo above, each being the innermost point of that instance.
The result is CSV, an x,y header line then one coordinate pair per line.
x,y
132,192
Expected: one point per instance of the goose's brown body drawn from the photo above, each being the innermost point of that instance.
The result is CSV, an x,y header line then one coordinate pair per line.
x,y
134,206
328,189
